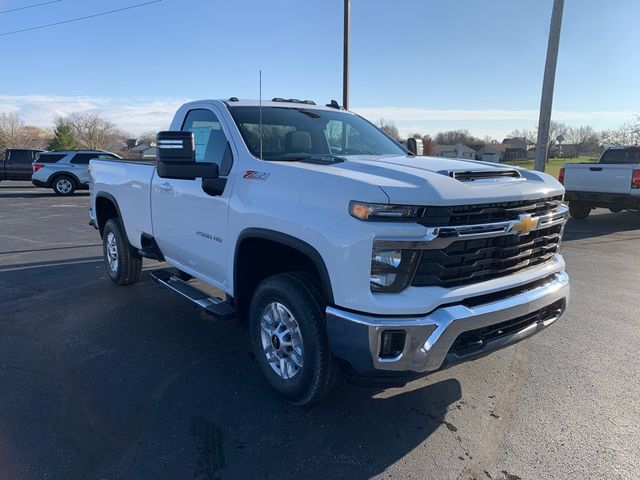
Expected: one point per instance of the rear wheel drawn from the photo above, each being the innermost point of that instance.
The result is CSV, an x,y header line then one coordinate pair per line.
x,y
579,210
288,334
123,263
64,185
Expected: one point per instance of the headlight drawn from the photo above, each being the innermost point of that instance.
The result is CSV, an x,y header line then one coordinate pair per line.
x,y
384,212
392,270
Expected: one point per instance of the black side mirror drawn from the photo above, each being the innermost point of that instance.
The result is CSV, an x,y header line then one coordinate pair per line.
x,y
175,158
412,146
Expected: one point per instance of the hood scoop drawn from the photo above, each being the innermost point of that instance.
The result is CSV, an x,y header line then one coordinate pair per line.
x,y
484,176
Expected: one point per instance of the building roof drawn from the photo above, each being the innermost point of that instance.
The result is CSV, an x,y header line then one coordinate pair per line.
x,y
451,148
498,147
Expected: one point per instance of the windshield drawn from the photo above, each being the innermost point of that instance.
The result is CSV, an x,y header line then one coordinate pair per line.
x,y
301,132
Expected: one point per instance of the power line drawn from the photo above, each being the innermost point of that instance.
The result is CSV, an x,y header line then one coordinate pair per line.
x,y
80,18
30,6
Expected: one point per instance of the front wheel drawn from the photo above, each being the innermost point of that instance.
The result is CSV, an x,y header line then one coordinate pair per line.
x,y
579,210
288,334
123,263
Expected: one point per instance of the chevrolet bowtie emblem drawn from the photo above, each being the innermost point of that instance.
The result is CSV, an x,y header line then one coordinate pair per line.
x,y
524,224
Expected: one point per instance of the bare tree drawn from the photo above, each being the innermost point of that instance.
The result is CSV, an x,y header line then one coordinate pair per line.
x,y
585,138
427,146
148,137
388,127
453,137
626,134
96,133
525,133
15,134
489,140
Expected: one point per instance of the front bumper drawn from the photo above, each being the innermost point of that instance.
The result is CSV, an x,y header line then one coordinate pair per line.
x,y
430,340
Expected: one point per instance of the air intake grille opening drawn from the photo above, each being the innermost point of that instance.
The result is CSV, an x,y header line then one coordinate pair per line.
x,y
472,176
474,341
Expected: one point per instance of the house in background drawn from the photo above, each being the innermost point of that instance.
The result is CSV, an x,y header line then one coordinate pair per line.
x,y
143,150
491,152
516,148
454,151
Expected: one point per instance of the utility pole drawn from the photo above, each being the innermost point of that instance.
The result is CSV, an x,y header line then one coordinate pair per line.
x,y
345,55
546,101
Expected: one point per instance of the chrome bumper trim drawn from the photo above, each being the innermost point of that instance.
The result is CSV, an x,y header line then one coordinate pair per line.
x,y
429,338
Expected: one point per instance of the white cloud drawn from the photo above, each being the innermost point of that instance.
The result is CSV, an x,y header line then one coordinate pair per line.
x,y
403,114
135,115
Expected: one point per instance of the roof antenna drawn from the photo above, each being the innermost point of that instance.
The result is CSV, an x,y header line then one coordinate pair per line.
x,y
260,109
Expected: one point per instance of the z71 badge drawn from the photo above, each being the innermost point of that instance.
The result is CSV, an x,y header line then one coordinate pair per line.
x,y
253,175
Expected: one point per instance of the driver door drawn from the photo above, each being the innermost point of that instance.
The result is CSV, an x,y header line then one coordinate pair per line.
x,y
189,219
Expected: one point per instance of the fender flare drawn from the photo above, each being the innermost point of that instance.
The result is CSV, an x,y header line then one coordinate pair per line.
x,y
113,200
291,242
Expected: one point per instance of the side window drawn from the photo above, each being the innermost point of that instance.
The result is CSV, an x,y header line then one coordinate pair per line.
x,y
20,156
51,157
83,158
210,141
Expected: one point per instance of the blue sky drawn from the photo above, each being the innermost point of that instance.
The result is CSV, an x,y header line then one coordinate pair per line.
x,y
427,65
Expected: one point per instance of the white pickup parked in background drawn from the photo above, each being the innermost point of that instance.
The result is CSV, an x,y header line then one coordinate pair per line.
x,y
613,182
345,252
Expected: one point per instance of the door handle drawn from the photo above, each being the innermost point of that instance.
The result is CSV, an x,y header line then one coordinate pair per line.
x,y
165,187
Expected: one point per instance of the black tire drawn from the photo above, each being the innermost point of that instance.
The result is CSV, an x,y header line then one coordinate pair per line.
x,y
128,263
64,185
299,293
579,210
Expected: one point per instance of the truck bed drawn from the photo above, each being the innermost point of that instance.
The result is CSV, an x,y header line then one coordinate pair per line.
x,y
128,180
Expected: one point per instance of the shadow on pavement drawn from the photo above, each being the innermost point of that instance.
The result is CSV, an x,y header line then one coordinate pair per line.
x,y
41,194
598,224
110,382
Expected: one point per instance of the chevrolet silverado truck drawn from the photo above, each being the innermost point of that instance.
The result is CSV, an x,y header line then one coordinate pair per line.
x,y
613,182
344,252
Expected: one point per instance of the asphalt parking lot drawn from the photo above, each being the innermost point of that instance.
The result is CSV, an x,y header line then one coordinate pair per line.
x,y
105,382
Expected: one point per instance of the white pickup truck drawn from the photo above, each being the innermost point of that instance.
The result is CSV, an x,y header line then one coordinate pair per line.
x,y
346,254
613,182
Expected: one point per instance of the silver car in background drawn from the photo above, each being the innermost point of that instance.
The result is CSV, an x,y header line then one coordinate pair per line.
x,y
65,171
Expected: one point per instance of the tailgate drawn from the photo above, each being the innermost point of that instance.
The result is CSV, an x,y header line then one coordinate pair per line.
x,y
598,177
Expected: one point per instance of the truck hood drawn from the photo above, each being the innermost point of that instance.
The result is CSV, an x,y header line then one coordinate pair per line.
x,y
431,180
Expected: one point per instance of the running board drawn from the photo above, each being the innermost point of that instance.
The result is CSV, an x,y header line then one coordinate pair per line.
x,y
214,306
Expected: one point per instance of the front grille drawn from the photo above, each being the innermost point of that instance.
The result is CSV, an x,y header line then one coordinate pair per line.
x,y
487,213
471,261
474,341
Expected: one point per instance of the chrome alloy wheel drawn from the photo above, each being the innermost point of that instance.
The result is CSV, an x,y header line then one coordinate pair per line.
x,y
64,185
112,252
281,340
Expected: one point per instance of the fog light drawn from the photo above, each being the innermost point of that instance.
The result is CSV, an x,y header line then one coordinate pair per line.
x,y
392,343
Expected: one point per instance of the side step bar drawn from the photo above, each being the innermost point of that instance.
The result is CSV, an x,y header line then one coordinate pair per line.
x,y
214,306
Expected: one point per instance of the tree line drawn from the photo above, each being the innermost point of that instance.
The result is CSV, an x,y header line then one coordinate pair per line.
x,y
90,131
85,131
586,138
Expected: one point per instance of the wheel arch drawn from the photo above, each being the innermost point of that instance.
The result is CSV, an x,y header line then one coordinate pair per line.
x,y
55,175
280,242
106,208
